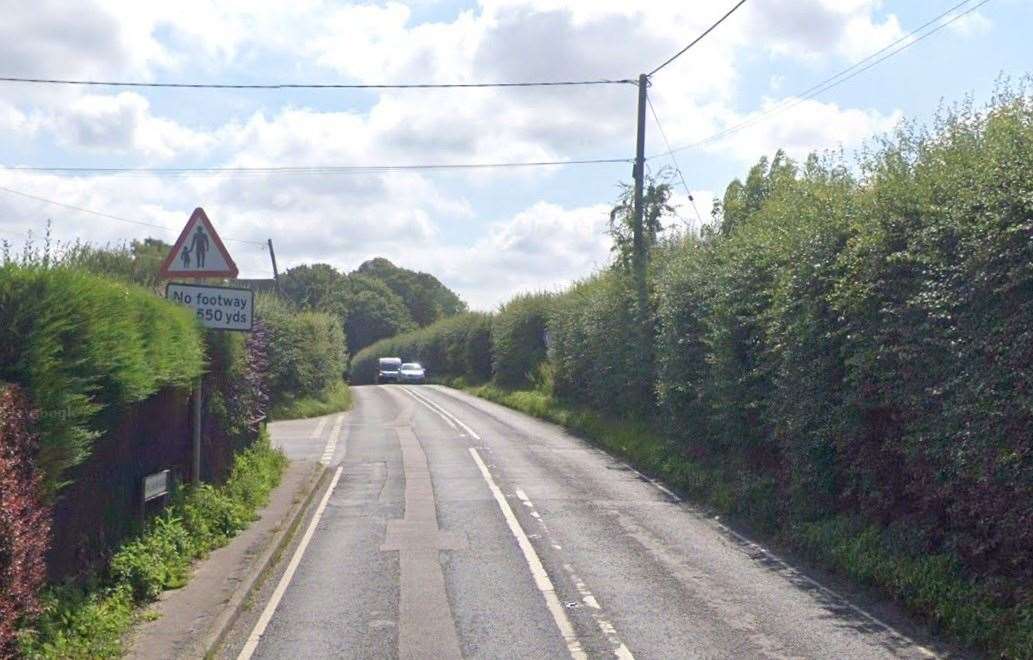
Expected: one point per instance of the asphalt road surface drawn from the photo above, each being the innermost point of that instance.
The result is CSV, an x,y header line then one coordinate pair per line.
x,y
454,527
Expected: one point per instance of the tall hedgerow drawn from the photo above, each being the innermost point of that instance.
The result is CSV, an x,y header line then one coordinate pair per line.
x,y
455,347
518,336
306,349
596,346
80,343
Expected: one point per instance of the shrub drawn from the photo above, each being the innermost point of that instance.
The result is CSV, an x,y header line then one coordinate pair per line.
x,y
518,335
306,350
80,343
24,518
597,346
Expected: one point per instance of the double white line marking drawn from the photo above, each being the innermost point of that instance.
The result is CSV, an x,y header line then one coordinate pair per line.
x,y
534,562
331,443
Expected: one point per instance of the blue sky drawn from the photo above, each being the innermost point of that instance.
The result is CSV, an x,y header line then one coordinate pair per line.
x,y
486,234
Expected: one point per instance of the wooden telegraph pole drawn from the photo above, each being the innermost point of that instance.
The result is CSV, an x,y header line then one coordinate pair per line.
x,y
639,245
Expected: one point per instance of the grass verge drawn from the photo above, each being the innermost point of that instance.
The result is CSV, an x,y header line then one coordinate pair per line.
x,y
931,586
90,619
333,399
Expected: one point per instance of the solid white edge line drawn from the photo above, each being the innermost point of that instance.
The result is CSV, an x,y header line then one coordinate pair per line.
x,y
534,562
270,608
831,592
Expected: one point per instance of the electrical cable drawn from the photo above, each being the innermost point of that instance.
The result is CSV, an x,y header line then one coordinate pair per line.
x,y
274,86
854,70
674,160
108,215
699,38
309,169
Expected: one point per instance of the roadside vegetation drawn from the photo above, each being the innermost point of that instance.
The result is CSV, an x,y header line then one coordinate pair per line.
x,y
375,301
306,360
841,361
88,618
96,371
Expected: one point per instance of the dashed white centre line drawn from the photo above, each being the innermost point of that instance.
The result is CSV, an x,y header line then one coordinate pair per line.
x,y
534,562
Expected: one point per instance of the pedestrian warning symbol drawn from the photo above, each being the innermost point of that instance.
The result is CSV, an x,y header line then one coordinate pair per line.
x,y
198,252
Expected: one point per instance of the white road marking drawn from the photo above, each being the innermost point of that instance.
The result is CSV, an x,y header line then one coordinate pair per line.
x,y
771,556
331,442
656,484
534,562
442,412
619,648
318,431
827,591
281,588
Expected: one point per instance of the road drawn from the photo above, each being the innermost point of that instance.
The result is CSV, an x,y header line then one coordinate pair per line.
x,y
458,528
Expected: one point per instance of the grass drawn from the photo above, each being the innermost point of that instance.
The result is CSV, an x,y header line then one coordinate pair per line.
x,y
932,586
333,399
89,619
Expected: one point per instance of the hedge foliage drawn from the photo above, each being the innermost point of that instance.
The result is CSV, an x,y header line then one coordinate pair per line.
x,y
306,350
82,343
518,334
24,517
850,343
458,346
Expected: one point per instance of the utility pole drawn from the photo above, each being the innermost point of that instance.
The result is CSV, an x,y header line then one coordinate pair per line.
x,y
276,273
639,247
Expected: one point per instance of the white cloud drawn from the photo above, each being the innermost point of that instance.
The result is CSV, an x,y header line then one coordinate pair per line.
x,y
809,126
123,123
347,218
971,25
811,29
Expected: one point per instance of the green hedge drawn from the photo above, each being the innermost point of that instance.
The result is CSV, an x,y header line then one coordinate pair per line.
x,y
518,334
847,343
81,343
305,350
458,347
596,350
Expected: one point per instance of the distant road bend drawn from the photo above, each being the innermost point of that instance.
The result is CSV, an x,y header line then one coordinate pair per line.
x,y
454,527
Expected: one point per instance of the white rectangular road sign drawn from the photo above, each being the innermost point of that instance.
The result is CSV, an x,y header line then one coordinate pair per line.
x,y
218,307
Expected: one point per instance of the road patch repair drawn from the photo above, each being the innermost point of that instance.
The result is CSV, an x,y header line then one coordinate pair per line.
x,y
426,628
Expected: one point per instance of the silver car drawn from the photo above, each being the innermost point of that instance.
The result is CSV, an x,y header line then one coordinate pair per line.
x,y
412,372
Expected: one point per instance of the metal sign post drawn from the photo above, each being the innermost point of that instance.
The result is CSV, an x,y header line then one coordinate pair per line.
x,y
200,253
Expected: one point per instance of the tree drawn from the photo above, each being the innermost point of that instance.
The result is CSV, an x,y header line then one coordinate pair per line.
x,y
370,311
656,203
312,286
426,298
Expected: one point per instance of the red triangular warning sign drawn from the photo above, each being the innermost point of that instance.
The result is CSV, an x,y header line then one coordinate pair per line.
x,y
198,252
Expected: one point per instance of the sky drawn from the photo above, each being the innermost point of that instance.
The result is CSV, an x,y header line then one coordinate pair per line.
x,y
487,234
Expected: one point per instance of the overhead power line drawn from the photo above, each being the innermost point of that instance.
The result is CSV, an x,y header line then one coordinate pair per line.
x,y
903,43
275,86
674,160
699,38
108,215
311,169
